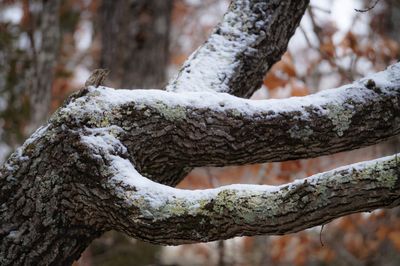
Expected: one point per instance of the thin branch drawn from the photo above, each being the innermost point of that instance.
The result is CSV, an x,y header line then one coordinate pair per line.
x,y
368,8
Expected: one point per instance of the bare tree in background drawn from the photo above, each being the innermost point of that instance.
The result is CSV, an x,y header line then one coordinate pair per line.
x,y
28,54
45,39
134,41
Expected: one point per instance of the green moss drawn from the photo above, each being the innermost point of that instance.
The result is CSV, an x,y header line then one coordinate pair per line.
x,y
178,207
204,203
385,176
225,200
105,122
340,117
248,208
169,112
389,178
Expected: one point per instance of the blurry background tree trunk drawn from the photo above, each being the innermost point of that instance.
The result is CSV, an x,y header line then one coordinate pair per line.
x,y
392,21
28,54
134,41
44,35
386,22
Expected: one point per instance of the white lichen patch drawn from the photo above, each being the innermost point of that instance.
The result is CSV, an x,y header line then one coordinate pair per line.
x,y
382,172
340,117
300,133
171,113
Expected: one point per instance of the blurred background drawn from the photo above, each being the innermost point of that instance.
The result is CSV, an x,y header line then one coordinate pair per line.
x,y
48,48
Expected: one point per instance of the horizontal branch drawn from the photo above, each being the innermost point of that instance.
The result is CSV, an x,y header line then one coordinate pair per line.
x,y
166,215
251,38
166,130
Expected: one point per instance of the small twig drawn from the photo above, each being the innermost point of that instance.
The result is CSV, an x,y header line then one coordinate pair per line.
x,y
320,235
368,8
211,178
306,37
221,253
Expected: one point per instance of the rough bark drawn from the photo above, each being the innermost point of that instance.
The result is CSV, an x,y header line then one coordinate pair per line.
x,y
178,217
166,133
76,177
252,36
134,38
90,168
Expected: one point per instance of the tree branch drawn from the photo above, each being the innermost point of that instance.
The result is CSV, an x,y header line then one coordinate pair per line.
x,y
165,132
165,215
251,38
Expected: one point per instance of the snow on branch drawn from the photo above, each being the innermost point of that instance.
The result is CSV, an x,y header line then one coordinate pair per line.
x,y
166,134
251,38
210,128
206,215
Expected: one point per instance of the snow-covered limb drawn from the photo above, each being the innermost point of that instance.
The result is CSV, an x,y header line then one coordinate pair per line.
x,y
62,180
75,183
165,215
252,36
190,129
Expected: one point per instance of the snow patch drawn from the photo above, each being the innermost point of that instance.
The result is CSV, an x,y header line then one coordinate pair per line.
x,y
159,195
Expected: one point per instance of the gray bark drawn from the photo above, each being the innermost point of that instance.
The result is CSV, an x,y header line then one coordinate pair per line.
x,y
242,48
66,185
89,170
